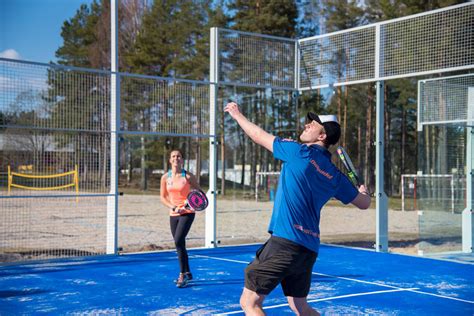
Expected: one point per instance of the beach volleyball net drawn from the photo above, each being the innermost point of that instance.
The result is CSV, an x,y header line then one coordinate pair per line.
x,y
45,182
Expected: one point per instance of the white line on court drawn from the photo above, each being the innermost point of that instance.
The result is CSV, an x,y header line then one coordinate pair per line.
x,y
414,290
315,273
221,259
396,287
442,296
328,299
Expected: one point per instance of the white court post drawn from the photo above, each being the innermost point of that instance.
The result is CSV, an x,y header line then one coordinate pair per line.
x,y
381,235
381,199
210,240
467,218
112,199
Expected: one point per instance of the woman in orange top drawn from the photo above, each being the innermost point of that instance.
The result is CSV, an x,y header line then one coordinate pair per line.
x,y
175,186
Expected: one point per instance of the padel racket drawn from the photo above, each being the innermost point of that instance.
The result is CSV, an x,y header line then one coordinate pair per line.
x,y
196,200
347,162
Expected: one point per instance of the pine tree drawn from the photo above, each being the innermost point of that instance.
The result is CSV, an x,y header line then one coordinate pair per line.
x,y
167,42
271,17
311,20
79,35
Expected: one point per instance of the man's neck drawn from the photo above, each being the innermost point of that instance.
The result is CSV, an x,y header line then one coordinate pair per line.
x,y
319,143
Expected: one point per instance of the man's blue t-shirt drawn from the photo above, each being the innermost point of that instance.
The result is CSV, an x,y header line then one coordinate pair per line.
x,y
308,180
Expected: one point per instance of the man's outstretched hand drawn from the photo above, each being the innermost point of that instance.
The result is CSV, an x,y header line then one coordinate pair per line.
x,y
233,109
363,189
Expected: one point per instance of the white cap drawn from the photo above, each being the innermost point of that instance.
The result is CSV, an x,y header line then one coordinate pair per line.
x,y
328,118
322,118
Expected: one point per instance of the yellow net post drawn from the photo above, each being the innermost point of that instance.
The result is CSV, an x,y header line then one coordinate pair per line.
x,y
76,181
9,180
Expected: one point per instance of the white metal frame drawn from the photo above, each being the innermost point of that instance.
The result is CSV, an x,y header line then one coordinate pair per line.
x,y
210,240
467,216
112,200
420,123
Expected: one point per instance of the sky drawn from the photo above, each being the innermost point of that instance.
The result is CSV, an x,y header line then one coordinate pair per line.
x,y
31,29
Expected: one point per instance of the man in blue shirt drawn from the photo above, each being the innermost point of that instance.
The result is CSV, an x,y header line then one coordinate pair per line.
x,y
308,180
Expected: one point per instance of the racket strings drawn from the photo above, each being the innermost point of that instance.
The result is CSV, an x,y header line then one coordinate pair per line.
x,y
197,200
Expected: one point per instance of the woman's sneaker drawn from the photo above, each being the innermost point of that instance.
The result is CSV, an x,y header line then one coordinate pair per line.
x,y
187,275
182,280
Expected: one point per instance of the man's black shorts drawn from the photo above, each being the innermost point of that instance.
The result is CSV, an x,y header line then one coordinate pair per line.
x,y
281,261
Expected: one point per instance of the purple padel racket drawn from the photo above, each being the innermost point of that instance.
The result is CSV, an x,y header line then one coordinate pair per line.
x,y
196,200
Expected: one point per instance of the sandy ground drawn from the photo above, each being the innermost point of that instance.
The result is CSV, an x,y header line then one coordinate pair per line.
x,y
38,228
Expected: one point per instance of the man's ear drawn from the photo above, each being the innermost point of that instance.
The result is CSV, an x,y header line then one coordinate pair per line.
x,y
322,137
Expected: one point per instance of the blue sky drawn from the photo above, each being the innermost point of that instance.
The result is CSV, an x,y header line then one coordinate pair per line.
x,y
31,29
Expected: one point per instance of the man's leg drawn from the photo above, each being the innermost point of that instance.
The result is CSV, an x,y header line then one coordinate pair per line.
x,y
300,306
296,286
251,303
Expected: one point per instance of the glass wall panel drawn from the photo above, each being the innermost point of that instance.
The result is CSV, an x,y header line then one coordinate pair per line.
x,y
251,173
144,222
441,188
53,193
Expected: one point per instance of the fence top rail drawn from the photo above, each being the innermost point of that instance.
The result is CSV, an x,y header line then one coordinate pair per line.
x,y
250,85
104,72
171,79
141,76
448,77
357,28
471,3
469,122
61,67
119,132
415,74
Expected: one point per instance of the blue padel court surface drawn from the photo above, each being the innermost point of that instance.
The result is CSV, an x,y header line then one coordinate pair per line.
x,y
345,282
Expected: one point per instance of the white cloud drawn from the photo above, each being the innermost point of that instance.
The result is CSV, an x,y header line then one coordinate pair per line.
x,y
10,53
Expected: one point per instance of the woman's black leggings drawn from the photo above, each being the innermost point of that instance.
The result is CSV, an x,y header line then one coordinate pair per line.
x,y
180,226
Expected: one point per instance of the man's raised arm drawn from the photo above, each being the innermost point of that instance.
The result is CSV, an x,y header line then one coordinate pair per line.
x,y
257,134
